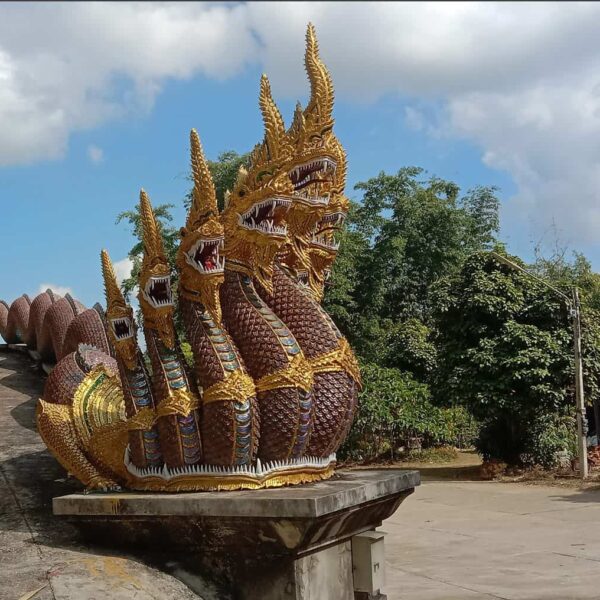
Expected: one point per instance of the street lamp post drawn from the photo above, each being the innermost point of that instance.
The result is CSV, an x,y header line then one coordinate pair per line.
x,y
579,394
575,313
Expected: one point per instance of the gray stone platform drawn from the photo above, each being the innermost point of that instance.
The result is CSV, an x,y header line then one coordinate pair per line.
x,y
259,545
347,489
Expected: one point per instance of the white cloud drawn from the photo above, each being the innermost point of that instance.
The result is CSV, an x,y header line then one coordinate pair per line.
x,y
520,80
61,290
123,269
71,67
95,154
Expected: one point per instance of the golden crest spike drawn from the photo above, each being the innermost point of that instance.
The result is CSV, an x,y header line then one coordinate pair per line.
x,y
150,234
242,174
321,87
342,167
111,287
298,121
204,198
273,121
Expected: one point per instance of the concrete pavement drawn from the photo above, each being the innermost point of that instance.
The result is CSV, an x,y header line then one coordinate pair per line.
x,y
480,540
41,557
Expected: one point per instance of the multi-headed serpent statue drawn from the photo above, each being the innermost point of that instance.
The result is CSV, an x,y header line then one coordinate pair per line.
x,y
274,386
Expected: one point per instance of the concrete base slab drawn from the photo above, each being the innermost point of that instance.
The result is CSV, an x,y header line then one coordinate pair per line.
x,y
261,544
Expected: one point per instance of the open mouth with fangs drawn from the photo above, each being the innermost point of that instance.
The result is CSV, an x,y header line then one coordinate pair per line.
x,y
158,292
308,179
303,278
122,328
324,233
267,216
205,256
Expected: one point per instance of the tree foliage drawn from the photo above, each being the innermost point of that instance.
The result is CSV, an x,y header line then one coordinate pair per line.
x,y
406,234
394,408
505,351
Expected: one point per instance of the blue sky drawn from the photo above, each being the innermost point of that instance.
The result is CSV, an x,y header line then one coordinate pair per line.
x,y
75,147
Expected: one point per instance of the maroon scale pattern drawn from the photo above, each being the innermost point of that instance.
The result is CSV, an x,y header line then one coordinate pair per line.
x,y
67,375
56,322
263,355
18,319
37,311
3,318
86,328
217,421
334,393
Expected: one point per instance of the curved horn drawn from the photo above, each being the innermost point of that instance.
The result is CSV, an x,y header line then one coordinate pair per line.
x,y
273,121
204,198
150,234
321,87
111,287
298,121
341,171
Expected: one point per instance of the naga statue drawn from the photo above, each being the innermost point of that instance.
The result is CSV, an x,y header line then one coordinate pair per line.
x,y
274,384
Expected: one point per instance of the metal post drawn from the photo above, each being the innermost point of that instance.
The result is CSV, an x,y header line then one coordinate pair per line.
x,y
579,393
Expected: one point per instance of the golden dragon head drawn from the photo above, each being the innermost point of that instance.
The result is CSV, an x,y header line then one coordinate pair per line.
x,y
316,157
199,258
155,295
119,315
323,247
255,215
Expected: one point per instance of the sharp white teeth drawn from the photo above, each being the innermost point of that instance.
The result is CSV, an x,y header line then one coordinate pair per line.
x,y
259,471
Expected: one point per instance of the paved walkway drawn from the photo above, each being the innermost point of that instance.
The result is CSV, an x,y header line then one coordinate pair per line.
x,y
41,557
483,540
449,541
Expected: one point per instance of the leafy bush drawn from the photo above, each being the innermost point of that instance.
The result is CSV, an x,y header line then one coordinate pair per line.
x,y
505,353
186,350
462,430
553,439
393,408
546,440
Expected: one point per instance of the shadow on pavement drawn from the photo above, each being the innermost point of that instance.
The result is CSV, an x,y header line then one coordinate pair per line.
x,y
24,414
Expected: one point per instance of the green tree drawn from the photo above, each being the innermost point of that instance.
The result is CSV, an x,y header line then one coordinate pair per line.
x,y
505,351
407,233
394,407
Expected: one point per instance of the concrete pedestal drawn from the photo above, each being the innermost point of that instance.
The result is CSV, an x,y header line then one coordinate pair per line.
x,y
286,543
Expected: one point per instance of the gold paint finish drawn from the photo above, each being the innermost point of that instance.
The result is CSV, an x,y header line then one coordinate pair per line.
x,y
237,386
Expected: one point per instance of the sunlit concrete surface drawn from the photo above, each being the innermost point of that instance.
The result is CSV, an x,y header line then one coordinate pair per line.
x,y
456,540
41,557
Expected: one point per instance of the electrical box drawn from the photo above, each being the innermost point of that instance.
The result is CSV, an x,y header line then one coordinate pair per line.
x,y
368,563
